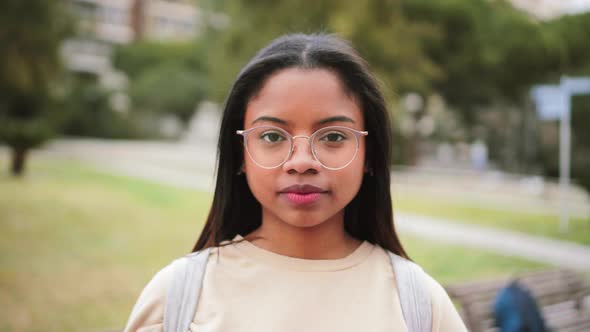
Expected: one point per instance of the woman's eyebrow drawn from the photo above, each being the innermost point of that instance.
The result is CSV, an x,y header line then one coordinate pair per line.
x,y
270,119
338,118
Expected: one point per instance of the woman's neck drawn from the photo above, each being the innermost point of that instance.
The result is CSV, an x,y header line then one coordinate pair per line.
x,y
327,240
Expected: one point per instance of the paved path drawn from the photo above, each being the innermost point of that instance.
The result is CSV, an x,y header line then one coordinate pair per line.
x,y
534,248
139,164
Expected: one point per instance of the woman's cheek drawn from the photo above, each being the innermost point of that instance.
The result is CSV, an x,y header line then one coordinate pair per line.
x,y
261,186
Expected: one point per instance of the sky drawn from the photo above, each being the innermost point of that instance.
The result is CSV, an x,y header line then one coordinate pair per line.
x,y
575,6
547,9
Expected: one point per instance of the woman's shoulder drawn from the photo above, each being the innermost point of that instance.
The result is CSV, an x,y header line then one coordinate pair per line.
x,y
444,314
149,308
400,263
158,286
148,311
435,289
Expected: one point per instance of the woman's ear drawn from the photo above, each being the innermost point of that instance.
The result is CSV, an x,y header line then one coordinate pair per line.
x,y
241,170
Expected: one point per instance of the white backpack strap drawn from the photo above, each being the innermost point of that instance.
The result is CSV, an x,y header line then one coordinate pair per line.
x,y
414,294
183,294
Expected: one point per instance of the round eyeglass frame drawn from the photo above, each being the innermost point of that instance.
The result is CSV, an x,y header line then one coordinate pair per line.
x,y
310,138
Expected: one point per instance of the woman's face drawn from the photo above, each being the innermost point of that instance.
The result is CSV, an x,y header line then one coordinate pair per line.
x,y
302,101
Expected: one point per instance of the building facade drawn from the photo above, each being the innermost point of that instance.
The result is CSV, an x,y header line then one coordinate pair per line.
x,y
103,24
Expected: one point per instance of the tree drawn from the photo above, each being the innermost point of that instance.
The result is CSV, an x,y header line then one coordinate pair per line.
x,y
488,51
90,111
482,56
392,44
30,35
136,58
169,89
166,77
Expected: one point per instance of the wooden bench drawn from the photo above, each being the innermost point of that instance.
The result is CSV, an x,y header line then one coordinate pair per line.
x,y
563,297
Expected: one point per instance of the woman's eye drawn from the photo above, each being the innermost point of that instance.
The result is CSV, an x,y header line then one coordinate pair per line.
x,y
333,137
272,137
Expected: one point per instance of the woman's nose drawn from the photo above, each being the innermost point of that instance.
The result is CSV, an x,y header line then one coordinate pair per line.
x,y
301,159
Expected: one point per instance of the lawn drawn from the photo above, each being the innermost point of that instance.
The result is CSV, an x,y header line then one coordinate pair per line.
x,y
530,223
78,245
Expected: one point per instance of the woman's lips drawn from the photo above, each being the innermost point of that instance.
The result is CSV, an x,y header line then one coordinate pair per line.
x,y
303,198
302,189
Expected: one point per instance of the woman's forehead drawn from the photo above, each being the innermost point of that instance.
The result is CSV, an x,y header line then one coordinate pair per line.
x,y
303,97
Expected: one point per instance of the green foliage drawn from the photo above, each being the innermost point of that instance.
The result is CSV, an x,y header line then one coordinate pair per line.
x,y
135,58
473,51
488,52
30,35
480,55
89,112
169,88
29,60
390,43
166,78
581,140
569,37
24,134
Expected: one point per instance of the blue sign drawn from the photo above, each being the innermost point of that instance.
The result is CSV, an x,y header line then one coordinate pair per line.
x,y
551,101
576,85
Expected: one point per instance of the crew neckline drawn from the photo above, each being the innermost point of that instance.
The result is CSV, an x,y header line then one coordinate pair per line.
x,y
300,264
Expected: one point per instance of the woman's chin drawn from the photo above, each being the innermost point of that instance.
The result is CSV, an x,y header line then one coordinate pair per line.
x,y
304,222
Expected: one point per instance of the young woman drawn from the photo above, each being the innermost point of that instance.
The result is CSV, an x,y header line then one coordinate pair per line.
x,y
301,222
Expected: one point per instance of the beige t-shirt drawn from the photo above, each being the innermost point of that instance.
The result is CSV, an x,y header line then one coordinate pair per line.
x,y
247,288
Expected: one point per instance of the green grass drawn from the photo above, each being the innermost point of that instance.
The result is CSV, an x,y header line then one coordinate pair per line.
x,y
454,263
78,246
530,223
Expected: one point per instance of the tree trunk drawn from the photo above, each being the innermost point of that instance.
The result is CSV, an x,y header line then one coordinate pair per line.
x,y
19,158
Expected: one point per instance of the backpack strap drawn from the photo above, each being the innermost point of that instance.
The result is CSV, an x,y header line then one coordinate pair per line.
x,y
414,295
183,294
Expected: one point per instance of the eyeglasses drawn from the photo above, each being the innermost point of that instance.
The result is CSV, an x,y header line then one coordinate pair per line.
x,y
333,147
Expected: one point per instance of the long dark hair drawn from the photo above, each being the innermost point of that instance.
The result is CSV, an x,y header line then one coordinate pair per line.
x,y
369,215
